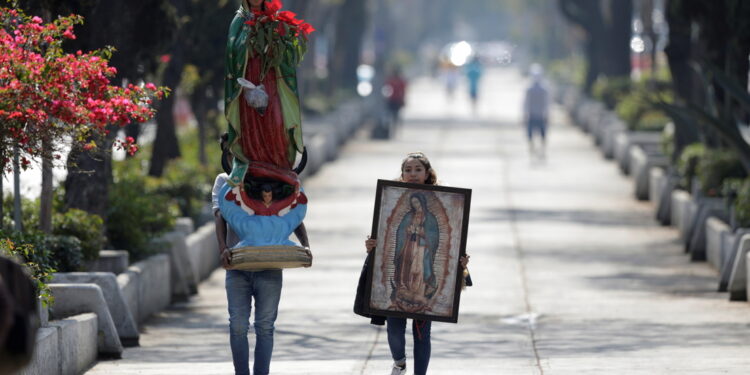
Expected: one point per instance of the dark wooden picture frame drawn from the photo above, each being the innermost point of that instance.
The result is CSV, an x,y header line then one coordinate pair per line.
x,y
421,234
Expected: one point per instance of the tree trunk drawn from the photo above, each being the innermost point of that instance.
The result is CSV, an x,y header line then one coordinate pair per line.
x,y
166,134
89,176
350,27
587,14
679,53
615,43
45,198
200,103
17,218
166,146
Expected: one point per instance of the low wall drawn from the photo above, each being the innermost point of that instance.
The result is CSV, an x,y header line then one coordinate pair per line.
x,y
716,230
46,359
203,250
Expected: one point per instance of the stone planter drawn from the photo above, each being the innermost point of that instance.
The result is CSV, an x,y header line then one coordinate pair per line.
x,y
73,299
704,209
606,121
680,218
733,257
716,232
46,358
609,136
640,165
203,251
184,282
650,141
127,328
738,275
657,183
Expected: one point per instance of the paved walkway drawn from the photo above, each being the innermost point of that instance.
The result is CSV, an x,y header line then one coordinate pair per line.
x,y
572,276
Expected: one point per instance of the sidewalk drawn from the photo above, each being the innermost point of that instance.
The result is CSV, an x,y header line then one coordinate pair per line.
x,y
572,275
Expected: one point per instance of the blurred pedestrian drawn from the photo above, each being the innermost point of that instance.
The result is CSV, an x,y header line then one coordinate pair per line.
x,y
450,78
395,93
415,168
473,75
536,109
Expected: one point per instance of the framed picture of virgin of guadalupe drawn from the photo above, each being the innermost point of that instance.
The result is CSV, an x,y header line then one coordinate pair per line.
x,y
421,234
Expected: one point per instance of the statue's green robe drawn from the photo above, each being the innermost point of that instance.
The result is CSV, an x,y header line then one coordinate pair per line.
x,y
236,62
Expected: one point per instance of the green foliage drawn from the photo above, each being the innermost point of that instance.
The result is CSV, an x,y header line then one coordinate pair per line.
x,y
637,106
85,227
687,164
611,90
137,213
714,167
29,213
571,70
741,204
667,140
188,184
36,260
652,120
66,252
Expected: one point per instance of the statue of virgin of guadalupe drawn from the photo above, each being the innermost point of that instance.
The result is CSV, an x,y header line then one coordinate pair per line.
x,y
263,50
262,108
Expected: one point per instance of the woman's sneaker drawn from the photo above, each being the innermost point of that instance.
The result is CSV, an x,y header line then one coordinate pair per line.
x,y
399,369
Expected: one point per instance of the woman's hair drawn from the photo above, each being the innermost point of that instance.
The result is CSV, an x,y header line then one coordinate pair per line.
x,y
422,158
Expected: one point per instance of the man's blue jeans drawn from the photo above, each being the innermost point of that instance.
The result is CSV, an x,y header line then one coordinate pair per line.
x,y
242,287
422,347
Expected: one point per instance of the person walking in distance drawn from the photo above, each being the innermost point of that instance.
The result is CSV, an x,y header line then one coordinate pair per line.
x,y
536,110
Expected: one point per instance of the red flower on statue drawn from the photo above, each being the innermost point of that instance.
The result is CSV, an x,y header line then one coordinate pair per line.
x,y
306,28
287,16
272,7
280,29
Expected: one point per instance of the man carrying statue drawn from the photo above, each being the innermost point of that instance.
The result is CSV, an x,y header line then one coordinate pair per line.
x,y
259,202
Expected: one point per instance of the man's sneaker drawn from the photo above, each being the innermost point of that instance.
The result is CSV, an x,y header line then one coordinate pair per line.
x,y
399,369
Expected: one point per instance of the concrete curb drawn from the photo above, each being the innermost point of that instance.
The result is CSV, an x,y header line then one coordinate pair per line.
x,y
680,218
706,208
46,359
153,286
203,251
624,141
73,299
716,230
657,182
184,225
641,163
738,280
183,280
129,285
609,136
76,342
127,328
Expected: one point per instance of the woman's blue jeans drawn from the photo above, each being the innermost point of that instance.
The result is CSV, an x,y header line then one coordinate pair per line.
x,y
242,288
397,342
